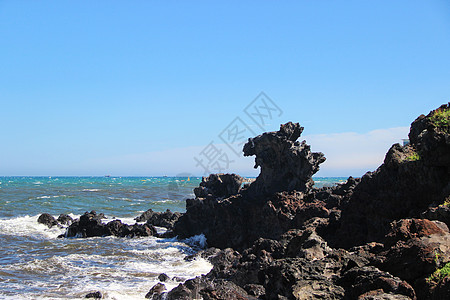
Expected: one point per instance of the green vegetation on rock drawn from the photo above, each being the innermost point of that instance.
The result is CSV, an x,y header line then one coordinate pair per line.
x,y
446,202
413,157
440,274
441,119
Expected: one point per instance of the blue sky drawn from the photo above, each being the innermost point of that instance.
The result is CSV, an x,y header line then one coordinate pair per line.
x,y
142,87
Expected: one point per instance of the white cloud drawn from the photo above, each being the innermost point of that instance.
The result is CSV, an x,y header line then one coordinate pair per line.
x,y
351,153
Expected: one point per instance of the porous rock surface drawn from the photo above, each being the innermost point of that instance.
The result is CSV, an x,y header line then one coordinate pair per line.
x,y
286,164
378,237
413,179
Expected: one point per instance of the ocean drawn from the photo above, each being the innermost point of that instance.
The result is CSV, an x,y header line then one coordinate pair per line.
x,y
35,264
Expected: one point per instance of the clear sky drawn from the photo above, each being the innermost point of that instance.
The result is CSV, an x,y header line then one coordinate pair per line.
x,y
143,87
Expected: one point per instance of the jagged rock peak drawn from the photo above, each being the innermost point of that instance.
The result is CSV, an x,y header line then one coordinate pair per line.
x,y
286,164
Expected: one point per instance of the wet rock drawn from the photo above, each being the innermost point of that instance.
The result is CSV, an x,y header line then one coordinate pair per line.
x,y
156,291
163,277
205,254
90,225
165,219
178,279
64,219
47,219
95,295
286,164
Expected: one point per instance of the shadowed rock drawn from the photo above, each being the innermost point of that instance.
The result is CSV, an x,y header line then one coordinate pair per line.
x,y
90,225
165,219
219,186
286,164
412,179
47,219
229,216
156,292
65,219
95,295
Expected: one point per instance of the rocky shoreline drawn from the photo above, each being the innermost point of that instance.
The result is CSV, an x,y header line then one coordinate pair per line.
x,y
383,236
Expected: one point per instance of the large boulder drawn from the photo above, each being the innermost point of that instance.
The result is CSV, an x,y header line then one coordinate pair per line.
x,y
286,164
233,216
165,219
47,219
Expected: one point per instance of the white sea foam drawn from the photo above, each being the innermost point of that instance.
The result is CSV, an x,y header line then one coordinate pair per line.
x,y
129,221
197,241
91,190
119,273
49,197
28,226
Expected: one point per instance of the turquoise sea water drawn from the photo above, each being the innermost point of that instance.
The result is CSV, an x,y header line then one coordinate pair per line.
x,y
35,264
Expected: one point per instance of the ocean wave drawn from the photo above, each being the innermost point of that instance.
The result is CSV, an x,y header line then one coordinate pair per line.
x,y
49,197
119,268
28,226
198,241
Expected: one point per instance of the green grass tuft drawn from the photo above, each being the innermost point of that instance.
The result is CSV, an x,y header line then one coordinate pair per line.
x,y
440,274
413,157
441,119
446,202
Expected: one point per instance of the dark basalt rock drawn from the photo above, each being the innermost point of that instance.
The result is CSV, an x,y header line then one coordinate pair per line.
x,y
90,225
440,213
156,292
415,248
203,288
411,179
219,186
370,281
95,295
64,219
285,229
165,219
163,277
286,165
47,219
50,221
270,205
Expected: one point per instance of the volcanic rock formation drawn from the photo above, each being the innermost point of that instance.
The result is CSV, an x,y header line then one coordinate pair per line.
x,y
379,237
286,164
